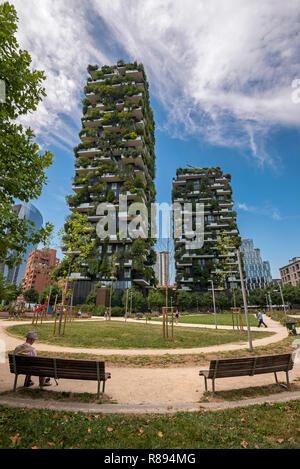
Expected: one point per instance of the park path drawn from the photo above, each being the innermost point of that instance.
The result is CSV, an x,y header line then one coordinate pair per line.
x,y
275,327
140,387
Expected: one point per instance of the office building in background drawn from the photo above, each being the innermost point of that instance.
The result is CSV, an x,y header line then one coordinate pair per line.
x,y
162,267
30,212
258,272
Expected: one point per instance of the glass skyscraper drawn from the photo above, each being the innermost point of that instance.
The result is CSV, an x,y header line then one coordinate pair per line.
x,y
30,212
258,272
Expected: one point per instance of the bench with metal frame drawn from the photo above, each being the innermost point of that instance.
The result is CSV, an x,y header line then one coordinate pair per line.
x,y
228,368
65,368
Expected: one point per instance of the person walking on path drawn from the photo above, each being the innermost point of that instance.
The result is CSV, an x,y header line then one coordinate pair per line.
x,y
177,317
28,350
260,319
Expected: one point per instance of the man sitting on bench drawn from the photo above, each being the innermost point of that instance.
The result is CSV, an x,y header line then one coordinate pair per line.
x,y
28,350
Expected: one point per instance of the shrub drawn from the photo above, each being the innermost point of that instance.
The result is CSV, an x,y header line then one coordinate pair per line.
x,y
117,311
99,310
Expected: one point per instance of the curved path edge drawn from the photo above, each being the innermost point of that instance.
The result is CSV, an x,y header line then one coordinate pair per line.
x,y
279,333
145,409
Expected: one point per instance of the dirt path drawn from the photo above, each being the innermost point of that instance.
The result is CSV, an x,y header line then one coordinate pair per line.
x,y
148,386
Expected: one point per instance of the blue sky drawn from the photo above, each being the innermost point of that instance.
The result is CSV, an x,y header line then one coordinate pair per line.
x,y
220,77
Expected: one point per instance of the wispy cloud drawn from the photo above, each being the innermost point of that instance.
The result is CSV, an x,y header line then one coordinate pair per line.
x,y
221,69
266,210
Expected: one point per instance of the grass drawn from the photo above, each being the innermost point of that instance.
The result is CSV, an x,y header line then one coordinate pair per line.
x,y
246,393
121,335
223,319
269,426
59,396
169,360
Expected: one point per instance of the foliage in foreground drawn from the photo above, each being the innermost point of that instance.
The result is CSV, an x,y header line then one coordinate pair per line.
x,y
264,426
22,165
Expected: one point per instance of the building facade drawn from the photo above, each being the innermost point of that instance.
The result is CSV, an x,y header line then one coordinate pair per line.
x,y
116,158
290,274
214,261
30,212
258,272
161,267
39,266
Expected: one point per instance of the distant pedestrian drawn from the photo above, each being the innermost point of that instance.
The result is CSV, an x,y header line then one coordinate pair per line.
x,y
177,317
260,319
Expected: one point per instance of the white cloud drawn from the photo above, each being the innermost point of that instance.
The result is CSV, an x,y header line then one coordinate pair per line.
x,y
222,69
56,34
267,210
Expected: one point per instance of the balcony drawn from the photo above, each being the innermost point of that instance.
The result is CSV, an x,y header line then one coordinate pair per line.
x,y
77,188
137,196
140,86
137,143
92,123
88,138
111,177
83,207
135,98
93,97
81,169
95,218
136,74
137,113
142,282
89,152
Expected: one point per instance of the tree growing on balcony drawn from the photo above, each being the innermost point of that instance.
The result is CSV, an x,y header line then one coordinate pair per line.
x,y
22,166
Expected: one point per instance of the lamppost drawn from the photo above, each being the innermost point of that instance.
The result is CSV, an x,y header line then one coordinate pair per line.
x,y
244,300
214,302
282,299
270,302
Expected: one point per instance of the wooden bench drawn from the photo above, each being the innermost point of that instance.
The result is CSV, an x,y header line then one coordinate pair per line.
x,y
228,368
65,368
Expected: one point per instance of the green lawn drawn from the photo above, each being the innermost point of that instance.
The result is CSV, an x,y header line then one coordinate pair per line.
x,y
264,426
115,334
223,319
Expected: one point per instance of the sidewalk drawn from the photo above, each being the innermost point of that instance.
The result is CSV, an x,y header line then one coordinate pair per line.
x,y
144,409
148,386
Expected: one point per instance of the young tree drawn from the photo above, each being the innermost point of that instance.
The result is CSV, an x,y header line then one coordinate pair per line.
x,y
206,300
78,245
138,301
222,300
55,290
155,300
183,300
22,165
31,295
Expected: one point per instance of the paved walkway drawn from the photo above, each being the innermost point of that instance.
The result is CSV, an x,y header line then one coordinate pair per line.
x,y
150,387
278,330
144,409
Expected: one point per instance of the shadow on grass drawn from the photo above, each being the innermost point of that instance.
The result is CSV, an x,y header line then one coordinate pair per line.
x,y
247,393
61,396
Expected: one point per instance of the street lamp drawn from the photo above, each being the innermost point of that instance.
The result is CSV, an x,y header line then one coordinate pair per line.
x,y
284,307
244,300
214,302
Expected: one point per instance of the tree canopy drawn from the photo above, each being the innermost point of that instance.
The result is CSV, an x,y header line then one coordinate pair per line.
x,y
22,165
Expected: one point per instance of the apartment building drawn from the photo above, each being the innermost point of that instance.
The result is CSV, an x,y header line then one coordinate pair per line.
x,y
290,274
38,270
116,157
214,261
